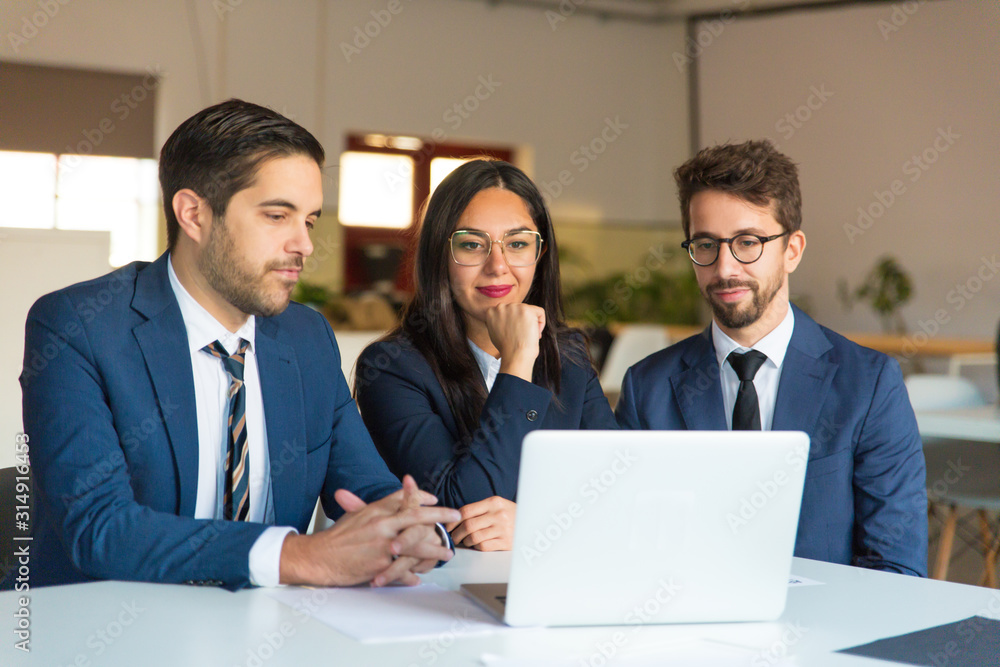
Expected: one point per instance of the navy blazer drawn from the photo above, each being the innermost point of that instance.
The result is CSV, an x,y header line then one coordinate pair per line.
x,y
414,430
109,408
864,501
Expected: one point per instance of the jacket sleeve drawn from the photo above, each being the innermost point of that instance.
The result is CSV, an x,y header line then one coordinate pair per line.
x,y
401,402
83,481
890,495
597,412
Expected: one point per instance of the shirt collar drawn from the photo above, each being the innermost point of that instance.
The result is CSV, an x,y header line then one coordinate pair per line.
x,y
774,344
202,327
489,365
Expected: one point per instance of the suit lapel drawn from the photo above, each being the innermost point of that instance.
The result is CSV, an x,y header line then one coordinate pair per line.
x,y
163,341
805,378
284,415
698,389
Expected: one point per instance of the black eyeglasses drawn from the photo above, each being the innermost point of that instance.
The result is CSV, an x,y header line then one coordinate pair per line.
x,y
746,248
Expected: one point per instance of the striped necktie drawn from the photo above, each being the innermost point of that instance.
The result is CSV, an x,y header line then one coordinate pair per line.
x,y
236,496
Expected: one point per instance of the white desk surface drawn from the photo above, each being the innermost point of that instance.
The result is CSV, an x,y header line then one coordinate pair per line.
x,y
182,625
982,424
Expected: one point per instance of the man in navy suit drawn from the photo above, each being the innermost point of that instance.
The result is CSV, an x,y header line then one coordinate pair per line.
x,y
766,364
189,416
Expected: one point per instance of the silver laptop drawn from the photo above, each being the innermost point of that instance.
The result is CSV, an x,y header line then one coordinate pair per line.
x,y
636,527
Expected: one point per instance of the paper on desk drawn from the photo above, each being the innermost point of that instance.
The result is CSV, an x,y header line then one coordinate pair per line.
x,y
393,613
794,580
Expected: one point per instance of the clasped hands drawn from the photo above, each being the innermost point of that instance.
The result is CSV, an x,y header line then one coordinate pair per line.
x,y
390,540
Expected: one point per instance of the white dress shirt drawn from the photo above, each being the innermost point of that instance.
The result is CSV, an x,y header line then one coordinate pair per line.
x,y
488,364
211,393
774,345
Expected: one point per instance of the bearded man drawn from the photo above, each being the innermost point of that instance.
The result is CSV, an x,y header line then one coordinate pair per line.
x,y
763,364
189,416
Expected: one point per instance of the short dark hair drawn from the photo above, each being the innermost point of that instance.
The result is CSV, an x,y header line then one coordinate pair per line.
x,y
218,151
754,171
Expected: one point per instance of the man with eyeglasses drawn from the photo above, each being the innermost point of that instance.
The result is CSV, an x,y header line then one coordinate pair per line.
x,y
765,364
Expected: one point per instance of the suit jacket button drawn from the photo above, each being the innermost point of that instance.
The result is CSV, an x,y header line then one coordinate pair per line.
x,y
532,415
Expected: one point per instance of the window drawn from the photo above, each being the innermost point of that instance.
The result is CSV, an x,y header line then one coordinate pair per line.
x,y
77,151
84,192
375,190
384,180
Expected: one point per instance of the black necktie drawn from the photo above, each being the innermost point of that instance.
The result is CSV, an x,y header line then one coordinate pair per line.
x,y
746,412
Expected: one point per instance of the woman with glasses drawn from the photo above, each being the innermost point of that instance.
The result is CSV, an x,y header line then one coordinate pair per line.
x,y
482,356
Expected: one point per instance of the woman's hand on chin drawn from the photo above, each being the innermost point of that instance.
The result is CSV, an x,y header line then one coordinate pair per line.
x,y
515,329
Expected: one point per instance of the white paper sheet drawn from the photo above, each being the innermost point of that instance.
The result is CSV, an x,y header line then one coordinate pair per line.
x,y
394,613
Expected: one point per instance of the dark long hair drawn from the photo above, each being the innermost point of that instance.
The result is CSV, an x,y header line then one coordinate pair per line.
x,y
433,322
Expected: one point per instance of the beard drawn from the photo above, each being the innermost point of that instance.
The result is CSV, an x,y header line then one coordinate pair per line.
x,y
231,275
740,315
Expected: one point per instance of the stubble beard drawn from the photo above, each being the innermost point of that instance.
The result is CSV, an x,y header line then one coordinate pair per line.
x,y
236,280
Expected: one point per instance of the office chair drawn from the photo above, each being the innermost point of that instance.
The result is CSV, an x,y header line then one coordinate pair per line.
x,y
632,344
960,474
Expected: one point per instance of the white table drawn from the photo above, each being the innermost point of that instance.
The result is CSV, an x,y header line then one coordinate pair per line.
x,y
117,623
979,424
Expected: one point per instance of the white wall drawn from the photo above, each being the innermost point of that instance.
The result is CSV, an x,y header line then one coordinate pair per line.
x,y
34,262
556,87
896,78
